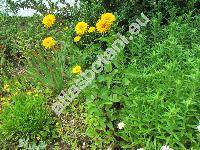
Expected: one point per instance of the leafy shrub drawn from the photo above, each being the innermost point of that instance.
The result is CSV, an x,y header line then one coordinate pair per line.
x,y
19,49
152,88
127,10
25,117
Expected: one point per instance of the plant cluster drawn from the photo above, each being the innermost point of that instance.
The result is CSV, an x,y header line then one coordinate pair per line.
x,y
146,98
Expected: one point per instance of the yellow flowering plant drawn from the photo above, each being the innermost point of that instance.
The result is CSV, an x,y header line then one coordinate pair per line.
x,y
6,88
103,26
81,28
76,69
49,20
48,42
3,99
47,67
77,38
109,17
91,29
121,108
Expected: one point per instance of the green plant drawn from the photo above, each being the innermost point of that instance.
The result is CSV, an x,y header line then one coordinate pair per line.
x,y
126,13
49,71
26,144
26,116
152,88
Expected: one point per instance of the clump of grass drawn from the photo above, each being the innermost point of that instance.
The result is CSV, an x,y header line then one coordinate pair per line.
x,y
26,116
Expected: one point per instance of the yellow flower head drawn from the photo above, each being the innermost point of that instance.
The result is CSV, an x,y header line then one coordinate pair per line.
x,y
91,29
6,88
3,99
49,20
103,26
48,42
108,17
77,38
76,69
81,28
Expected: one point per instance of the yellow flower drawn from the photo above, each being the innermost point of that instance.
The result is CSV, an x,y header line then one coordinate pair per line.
x,y
91,29
103,26
81,28
6,88
3,99
57,123
5,104
49,20
76,69
108,17
77,38
48,42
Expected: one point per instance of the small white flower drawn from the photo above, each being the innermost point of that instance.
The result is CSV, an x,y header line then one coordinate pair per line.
x,y
165,147
120,125
140,149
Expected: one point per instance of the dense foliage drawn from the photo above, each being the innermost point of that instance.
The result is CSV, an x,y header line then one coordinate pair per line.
x,y
26,117
147,97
